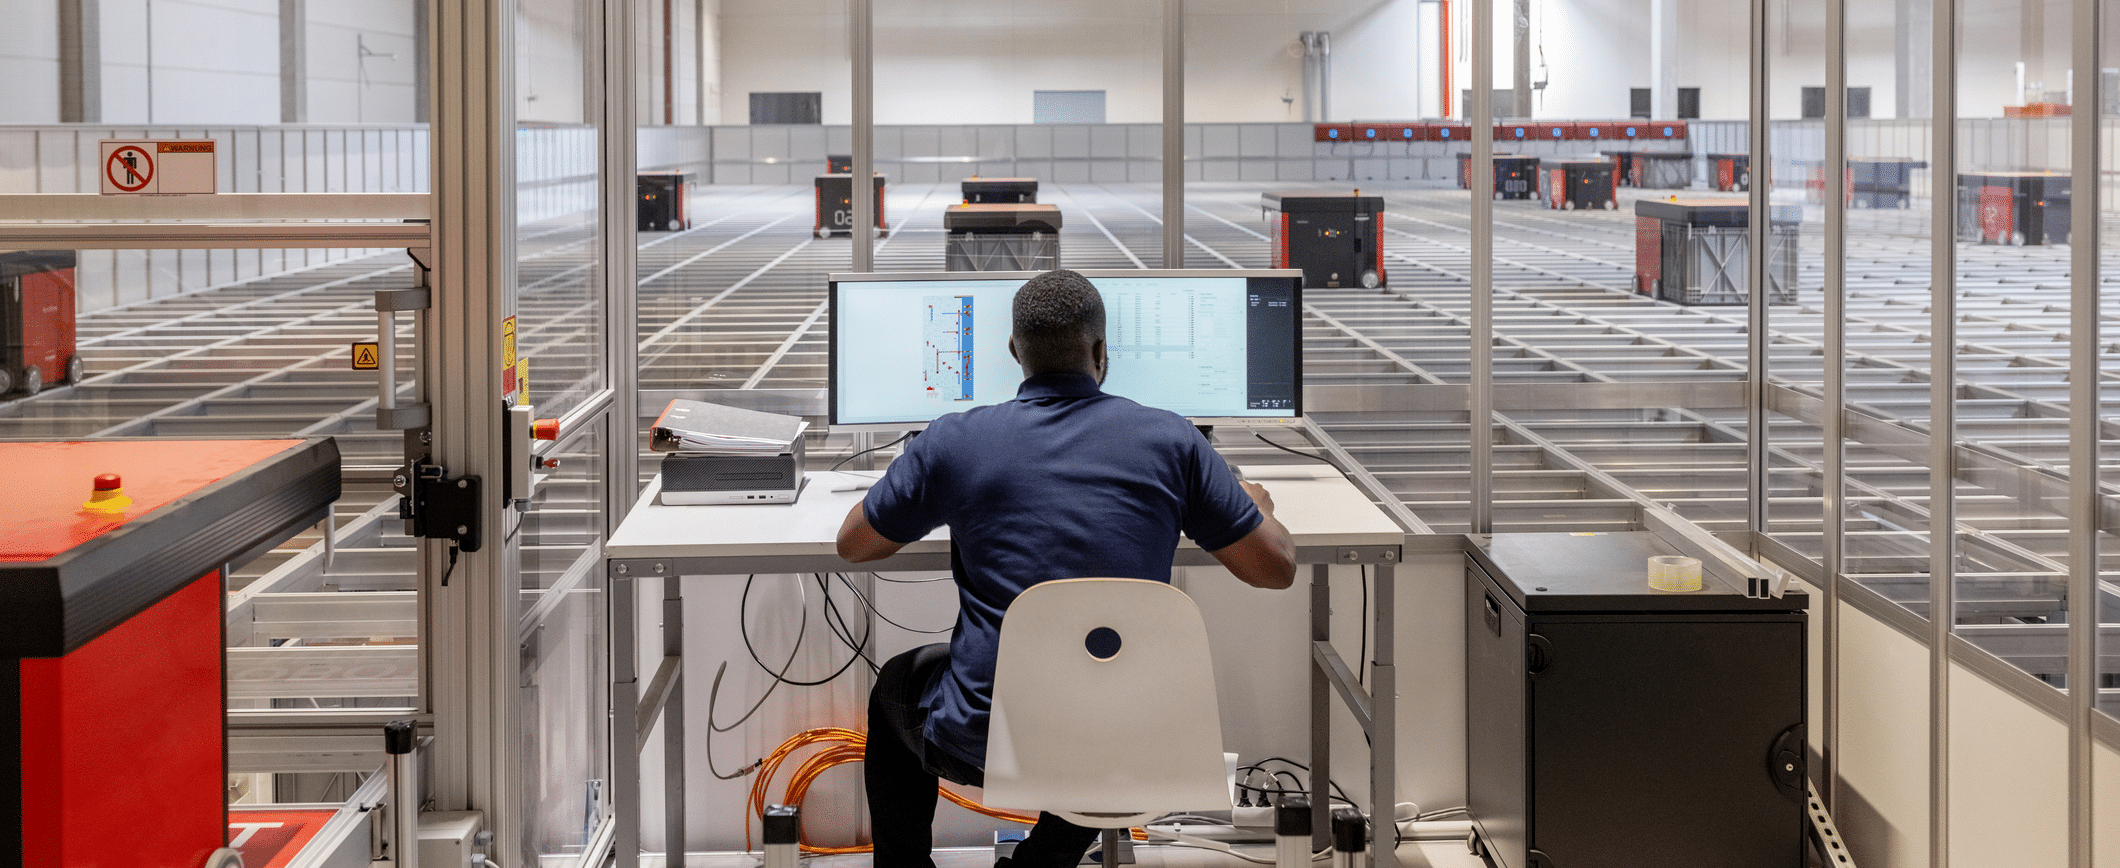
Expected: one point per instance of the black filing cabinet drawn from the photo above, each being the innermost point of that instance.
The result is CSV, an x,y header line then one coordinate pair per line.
x,y
1610,725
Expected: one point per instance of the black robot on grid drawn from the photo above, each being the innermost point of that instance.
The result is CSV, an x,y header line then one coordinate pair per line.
x,y
1063,482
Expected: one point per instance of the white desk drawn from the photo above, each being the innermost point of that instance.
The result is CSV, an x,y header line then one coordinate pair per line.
x,y
1330,520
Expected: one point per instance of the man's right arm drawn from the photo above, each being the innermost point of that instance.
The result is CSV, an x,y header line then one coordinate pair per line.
x,y
1266,557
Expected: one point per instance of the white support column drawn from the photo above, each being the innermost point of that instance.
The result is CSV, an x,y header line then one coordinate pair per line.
x,y
1663,59
80,61
472,653
294,61
1480,177
1911,21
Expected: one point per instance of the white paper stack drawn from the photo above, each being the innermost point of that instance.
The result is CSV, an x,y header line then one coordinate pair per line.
x,y
713,429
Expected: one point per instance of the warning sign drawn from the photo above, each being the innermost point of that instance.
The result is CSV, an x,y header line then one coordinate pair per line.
x,y
367,356
508,356
158,167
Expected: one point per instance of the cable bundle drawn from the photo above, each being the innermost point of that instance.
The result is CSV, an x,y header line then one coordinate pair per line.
x,y
843,746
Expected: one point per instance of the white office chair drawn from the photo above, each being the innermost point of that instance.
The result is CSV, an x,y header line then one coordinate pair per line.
x,y
1105,734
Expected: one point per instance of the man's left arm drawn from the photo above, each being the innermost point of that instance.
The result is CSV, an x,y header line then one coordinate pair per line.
x,y
859,542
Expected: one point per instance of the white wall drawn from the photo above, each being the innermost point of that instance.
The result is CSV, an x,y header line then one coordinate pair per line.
x,y
346,88
29,63
203,63
1883,806
969,62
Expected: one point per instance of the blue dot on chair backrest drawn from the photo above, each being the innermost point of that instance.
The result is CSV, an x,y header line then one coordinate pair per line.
x,y
1102,643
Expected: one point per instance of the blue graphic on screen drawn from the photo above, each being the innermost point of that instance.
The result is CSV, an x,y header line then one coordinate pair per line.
x,y
947,333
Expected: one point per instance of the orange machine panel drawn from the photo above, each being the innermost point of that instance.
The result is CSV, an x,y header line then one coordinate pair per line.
x,y
111,700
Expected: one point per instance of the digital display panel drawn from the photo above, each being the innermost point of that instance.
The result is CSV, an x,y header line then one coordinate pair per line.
x,y
908,348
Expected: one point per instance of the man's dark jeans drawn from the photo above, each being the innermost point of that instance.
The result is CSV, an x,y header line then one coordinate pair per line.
x,y
901,769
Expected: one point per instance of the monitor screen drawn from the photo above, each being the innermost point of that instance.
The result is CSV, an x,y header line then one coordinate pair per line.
x,y
907,348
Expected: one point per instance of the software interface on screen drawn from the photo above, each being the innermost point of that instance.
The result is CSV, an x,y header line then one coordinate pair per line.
x,y
1202,346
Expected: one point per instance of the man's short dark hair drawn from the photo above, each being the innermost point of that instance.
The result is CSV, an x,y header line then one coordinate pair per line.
x,y
1058,317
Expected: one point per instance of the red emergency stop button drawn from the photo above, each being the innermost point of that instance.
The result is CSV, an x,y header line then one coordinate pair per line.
x,y
107,494
544,429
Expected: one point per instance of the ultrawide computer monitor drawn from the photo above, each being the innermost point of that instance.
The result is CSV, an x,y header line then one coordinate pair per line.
x,y
1210,345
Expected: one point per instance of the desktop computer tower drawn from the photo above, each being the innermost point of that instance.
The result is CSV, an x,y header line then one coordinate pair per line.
x,y
1610,725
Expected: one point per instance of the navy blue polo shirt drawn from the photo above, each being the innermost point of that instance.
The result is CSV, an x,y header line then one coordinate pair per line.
x,y
1063,482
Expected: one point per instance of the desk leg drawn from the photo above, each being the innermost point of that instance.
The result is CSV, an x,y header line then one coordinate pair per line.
x,y
1384,716
1320,714
673,721
625,711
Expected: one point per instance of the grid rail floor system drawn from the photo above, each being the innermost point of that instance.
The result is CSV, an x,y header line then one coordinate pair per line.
x,y
738,302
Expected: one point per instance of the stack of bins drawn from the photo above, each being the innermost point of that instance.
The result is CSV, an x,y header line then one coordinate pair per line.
x,y
1882,183
1001,236
1694,251
1730,173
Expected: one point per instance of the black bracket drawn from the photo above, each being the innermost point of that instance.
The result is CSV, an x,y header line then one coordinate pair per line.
x,y
439,506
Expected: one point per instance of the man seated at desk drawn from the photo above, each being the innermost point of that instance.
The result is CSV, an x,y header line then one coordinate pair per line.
x,y
1063,482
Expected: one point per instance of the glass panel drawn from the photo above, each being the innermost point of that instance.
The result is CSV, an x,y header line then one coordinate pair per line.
x,y
560,345
1797,360
2011,341
565,683
2105,96
1885,541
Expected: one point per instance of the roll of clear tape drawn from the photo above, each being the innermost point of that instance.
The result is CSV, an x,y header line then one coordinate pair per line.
x,y
1674,573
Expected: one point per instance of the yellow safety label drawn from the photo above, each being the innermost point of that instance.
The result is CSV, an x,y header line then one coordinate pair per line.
x,y
367,356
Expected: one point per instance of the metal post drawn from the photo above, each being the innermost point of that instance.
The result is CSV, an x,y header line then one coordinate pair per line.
x,y
404,771
1834,426
625,717
1384,719
1943,415
2085,383
1173,133
1320,712
620,164
861,24
673,725
1481,115
474,651
782,836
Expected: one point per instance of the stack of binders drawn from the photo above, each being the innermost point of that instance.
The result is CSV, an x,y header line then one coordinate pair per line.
x,y
722,454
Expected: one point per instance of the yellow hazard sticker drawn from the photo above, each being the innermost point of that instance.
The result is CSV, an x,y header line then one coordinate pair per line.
x,y
367,356
508,356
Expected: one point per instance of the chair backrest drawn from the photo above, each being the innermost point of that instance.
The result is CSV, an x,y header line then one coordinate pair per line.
x,y
1101,737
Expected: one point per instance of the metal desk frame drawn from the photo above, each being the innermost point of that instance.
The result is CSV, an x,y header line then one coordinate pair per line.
x,y
636,709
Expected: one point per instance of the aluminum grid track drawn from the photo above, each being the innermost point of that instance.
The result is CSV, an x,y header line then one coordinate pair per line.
x,y
737,302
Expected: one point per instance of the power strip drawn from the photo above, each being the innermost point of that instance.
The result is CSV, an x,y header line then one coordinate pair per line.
x,y
1823,831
